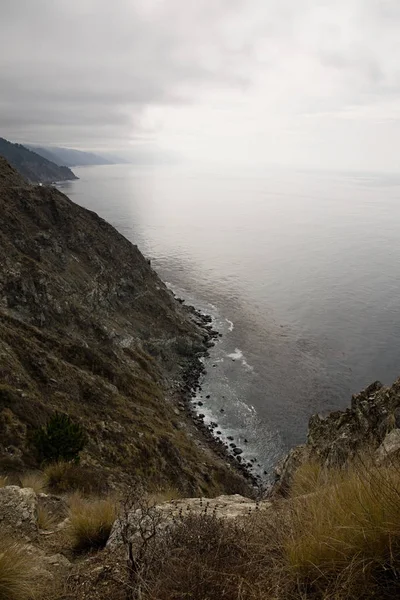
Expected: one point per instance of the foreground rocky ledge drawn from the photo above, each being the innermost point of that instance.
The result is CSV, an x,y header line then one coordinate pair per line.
x,y
371,426
222,507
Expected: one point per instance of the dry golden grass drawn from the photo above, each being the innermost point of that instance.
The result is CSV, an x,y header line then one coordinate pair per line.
x,y
61,477
34,480
336,538
91,521
45,519
308,478
164,494
347,533
3,481
16,572
54,472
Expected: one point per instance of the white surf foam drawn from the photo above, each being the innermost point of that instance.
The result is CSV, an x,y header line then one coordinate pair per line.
x,y
247,366
237,355
230,324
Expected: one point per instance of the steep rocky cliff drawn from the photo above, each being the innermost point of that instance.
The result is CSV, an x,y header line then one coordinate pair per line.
x,y
88,328
370,427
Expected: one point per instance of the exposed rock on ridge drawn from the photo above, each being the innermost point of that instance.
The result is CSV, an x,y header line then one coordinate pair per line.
x,y
18,511
371,424
222,507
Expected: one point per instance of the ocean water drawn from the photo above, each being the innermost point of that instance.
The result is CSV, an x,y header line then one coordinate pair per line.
x,y
300,271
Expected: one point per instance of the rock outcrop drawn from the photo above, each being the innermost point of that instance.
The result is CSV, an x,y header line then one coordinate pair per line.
x,y
19,526
18,511
222,507
371,425
390,447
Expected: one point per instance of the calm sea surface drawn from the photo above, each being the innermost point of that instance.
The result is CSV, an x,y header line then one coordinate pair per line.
x,y
301,272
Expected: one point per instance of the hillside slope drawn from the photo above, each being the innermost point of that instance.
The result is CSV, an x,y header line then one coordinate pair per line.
x,y
33,167
69,157
88,328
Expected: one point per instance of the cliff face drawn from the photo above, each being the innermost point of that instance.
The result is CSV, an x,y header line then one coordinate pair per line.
x,y
88,328
32,166
370,427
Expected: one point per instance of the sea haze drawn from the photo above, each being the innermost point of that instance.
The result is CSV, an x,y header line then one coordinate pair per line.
x,y
299,270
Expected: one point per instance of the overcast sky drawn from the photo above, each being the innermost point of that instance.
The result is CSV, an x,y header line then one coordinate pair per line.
x,y
289,82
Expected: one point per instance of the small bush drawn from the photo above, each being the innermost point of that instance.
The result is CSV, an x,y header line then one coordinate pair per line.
x,y
16,572
204,557
60,439
63,477
34,480
91,522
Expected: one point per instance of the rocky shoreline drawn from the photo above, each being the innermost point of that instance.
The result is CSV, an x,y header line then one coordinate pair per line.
x,y
192,375
372,422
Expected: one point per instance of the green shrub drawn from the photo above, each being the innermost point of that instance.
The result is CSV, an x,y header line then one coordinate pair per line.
x,y
60,439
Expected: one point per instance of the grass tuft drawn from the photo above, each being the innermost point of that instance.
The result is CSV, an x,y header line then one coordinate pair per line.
x,y
55,475
91,522
45,519
164,494
348,530
34,480
61,477
16,572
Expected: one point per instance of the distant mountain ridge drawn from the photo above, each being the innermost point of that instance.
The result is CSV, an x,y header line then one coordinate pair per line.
x,y
32,166
69,157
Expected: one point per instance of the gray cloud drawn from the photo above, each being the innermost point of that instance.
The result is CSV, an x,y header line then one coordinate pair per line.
x,y
222,76
86,62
